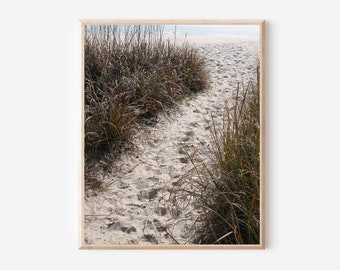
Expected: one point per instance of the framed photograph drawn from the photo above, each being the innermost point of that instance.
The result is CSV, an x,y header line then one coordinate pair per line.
x,y
172,135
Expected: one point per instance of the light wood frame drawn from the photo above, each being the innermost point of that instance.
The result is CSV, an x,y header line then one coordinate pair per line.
x,y
261,24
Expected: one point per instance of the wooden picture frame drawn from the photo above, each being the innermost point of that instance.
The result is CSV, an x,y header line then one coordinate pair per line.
x,y
106,190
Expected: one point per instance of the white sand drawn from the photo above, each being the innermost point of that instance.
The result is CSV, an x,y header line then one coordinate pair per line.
x,y
135,207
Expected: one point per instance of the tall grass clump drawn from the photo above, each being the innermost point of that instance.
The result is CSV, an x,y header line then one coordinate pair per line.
x,y
225,187
131,74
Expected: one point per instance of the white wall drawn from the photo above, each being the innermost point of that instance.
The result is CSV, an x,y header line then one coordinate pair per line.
x,y
40,110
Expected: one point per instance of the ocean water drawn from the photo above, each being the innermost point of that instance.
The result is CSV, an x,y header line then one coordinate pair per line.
x,y
184,31
212,31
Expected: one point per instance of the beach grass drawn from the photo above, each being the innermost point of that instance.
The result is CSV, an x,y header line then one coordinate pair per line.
x,y
132,73
225,187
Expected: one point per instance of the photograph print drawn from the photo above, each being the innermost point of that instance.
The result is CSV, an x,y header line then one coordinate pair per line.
x,y
172,134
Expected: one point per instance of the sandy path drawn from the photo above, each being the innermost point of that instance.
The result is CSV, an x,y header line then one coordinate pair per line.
x,y
135,207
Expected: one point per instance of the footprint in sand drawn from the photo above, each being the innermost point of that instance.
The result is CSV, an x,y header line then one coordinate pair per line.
x,y
184,160
148,194
189,133
185,139
158,225
128,230
161,211
150,238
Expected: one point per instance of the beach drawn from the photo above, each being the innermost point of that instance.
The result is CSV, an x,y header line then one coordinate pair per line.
x,y
136,207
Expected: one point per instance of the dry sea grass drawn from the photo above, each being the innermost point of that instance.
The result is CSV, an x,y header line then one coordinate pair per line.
x,y
131,74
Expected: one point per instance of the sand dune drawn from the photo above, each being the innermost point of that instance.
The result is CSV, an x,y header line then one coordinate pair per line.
x,y
135,209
